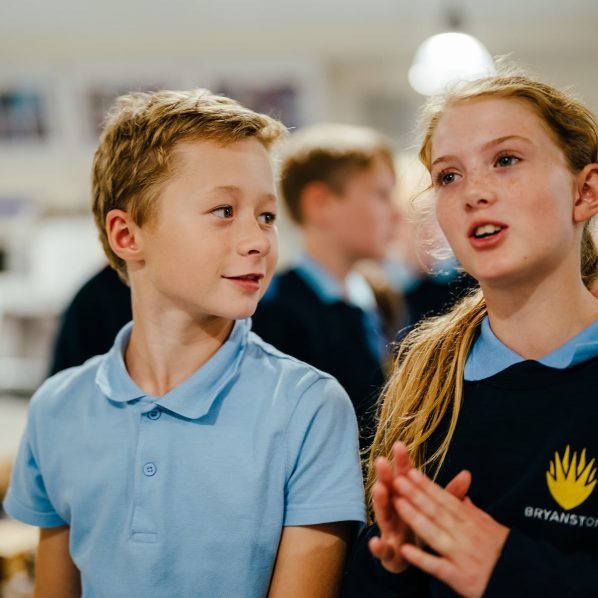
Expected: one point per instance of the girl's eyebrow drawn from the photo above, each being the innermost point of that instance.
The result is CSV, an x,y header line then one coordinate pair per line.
x,y
500,140
488,145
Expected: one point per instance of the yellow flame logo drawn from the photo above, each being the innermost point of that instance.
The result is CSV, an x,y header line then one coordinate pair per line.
x,y
570,480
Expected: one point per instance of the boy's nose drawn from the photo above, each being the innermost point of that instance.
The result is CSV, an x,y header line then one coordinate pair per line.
x,y
254,240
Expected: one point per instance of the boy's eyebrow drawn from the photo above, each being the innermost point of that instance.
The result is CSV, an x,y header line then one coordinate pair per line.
x,y
228,189
235,191
488,145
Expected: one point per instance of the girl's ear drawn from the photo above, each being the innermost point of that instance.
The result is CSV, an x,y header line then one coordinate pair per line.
x,y
121,232
586,204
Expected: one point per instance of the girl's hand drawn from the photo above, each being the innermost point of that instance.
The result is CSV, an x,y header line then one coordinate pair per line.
x,y
394,532
467,540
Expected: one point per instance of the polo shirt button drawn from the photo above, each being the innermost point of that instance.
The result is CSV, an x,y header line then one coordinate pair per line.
x,y
154,414
149,469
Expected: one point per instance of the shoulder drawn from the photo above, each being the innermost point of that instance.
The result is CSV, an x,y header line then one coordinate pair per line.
x,y
289,307
287,286
258,348
58,391
295,376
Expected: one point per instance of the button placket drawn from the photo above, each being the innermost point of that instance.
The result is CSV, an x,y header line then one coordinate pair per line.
x,y
147,483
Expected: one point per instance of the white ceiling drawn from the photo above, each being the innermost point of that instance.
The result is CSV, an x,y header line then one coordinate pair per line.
x,y
320,25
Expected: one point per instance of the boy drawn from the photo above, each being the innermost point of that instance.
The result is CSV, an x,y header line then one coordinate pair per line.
x,y
192,459
337,182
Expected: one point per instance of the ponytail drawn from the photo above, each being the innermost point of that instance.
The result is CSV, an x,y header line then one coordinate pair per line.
x,y
426,383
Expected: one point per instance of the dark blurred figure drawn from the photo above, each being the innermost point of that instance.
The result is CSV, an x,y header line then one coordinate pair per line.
x,y
434,294
91,321
337,182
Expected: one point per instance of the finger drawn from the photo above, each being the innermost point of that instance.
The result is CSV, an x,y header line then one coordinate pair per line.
x,y
383,511
384,471
459,485
426,504
380,549
438,567
402,460
449,502
427,529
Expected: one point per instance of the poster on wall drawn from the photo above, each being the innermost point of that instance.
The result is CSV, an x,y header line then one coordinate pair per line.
x,y
100,98
277,99
23,115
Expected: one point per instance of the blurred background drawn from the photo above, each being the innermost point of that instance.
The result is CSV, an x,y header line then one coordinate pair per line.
x,y
62,63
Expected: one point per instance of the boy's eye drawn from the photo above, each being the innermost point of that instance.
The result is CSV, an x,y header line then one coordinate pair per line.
x,y
267,218
223,212
506,160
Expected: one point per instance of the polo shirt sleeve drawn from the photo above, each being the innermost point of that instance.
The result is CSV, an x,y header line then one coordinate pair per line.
x,y
27,499
323,482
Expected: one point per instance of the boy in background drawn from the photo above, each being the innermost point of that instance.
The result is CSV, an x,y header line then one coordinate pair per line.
x,y
337,182
192,459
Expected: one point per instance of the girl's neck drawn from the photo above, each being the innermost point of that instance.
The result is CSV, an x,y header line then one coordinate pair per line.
x,y
535,320
166,348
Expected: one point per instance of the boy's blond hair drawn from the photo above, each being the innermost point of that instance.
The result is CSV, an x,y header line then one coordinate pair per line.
x,y
133,158
329,154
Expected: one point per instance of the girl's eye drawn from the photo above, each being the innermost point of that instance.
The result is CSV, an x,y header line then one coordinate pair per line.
x,y
446,178
267,218
506,160
223,212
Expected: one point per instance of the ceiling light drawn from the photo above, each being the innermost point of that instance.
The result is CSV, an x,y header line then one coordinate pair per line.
x,y
446,58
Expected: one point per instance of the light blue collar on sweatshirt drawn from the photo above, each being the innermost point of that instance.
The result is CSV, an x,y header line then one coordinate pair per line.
x,y
356,290
489,355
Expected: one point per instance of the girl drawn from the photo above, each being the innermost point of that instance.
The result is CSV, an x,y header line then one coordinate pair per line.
x,y
491,489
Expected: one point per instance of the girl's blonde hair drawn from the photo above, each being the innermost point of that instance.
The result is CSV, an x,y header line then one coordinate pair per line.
x,y
426,385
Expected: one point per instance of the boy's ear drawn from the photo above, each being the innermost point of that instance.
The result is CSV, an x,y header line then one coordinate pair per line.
x,y
121,232
315,202
586,204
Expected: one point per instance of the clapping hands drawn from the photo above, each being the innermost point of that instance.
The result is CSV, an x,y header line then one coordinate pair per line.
x,y
466,541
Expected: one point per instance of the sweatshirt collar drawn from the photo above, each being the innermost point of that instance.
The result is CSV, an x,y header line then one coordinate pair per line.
x,y
489,355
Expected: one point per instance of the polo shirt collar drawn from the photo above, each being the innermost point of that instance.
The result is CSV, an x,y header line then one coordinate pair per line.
x,y
191,399
329,290
489,355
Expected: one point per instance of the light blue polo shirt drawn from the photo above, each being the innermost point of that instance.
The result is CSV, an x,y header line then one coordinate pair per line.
x,y
186,494
489,356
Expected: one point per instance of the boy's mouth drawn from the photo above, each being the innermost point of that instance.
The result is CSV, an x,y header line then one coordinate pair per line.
x,y
247,282
251,277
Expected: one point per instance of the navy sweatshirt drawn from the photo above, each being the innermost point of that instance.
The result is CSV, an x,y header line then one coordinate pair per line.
x,y
529,436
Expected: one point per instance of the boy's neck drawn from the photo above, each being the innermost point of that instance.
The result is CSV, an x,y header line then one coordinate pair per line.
x,y
536,320
328,256
166,349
